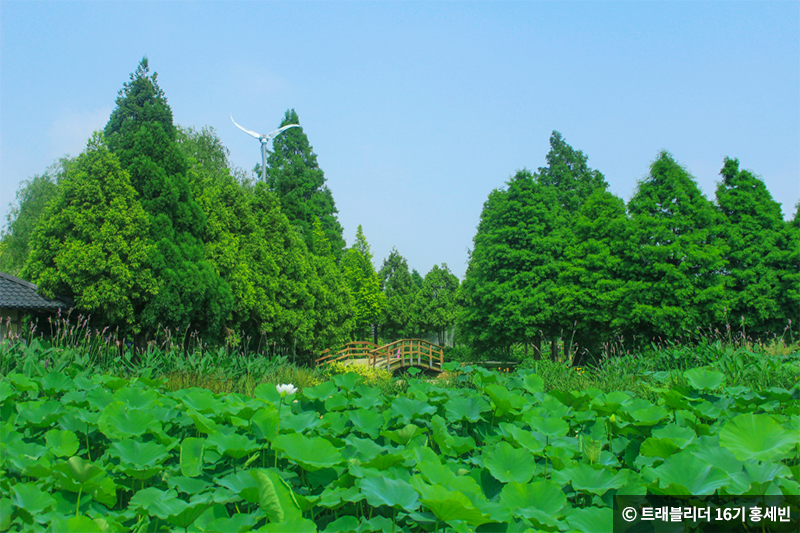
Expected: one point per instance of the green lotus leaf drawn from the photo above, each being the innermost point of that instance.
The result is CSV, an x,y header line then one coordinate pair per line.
x,y
429,465
321,391
703,379
62,443
507,463
119,422
709,450
191,458
591,519
685,474
663,448
265,423
541,501
233,445
594,479
391,492
409,409
533,383
80,471
40,413
523,437
188,485
311,453
141,460
31,498
57,382
275,496
365,448
369,399
608,404
348,381
299,423
403,436
549,427
7,391
136,397
80,524
335,497
681,436
201,400
343,524
757,437
6,510
367,422
337,402
241,483
504,401
449,505
295,525
384,461
238,523
649,416
202,423
466,408
23,384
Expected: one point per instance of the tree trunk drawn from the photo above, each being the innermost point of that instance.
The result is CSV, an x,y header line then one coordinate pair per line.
x,y
554,349
537,348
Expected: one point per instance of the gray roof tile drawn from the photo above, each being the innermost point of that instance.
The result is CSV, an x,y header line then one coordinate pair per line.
x,y
17,293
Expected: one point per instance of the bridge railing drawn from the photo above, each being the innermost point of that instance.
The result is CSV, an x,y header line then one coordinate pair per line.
x,y
351,350
408,352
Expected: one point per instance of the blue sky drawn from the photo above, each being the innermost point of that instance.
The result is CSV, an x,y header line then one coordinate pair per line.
x,y
416,111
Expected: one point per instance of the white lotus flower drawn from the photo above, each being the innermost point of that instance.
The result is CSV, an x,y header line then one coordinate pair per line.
x,y
286,390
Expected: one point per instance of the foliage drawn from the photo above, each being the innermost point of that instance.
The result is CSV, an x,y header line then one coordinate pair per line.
x,y
293,174
435,303
400,290
81,452
32,198
91,241
373,376
760,273
364,286
675,263
141,133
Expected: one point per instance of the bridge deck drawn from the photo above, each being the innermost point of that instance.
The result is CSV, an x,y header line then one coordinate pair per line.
x,y
393,356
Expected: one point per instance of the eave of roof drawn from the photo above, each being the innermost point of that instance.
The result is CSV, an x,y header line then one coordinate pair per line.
x,y
16,293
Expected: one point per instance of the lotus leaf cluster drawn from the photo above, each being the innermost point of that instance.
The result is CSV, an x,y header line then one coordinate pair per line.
x,y
109,454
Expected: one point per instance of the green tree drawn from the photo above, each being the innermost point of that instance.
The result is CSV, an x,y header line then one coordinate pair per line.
x,y
674,268
365,288
568,173
141,133
509,289
435,303
759,273
591,285
32,199
400,291
91,242
294,175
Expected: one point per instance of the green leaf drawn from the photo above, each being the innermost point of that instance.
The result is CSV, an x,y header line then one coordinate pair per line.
x,y
756,436
542,501
311,453
233,445
192,457
507,463
391,492
62,443
591,520
703,379
31,498
267,497
594,479
466,408
685,474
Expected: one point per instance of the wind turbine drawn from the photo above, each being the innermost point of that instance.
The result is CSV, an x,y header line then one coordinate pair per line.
x,y
265,139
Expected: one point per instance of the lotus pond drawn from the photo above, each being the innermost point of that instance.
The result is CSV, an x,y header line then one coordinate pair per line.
x,y
103,453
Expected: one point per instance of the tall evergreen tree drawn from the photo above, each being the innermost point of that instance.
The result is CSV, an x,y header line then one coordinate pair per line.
x,y
400,291
91,242
674,268
509,289
568,172
364,285
435,304
141,133
759,271
591,285
294,175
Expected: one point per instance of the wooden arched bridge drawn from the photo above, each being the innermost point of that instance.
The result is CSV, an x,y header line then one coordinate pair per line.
x,y
393,356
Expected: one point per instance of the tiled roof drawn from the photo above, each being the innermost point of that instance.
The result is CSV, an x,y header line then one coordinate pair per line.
x,y
17,293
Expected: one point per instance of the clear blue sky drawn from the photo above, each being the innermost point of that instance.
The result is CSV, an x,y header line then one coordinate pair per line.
x,y
416,111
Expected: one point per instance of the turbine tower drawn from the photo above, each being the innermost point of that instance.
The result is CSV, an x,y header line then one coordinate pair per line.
x,y
264,140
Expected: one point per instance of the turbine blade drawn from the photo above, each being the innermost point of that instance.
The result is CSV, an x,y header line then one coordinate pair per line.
x,y
280,130
251,133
